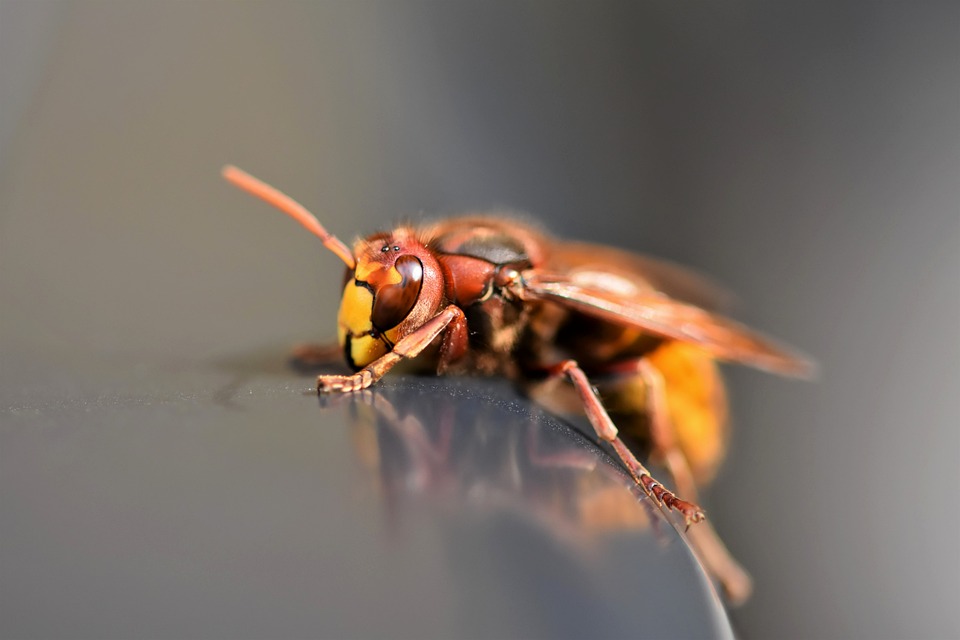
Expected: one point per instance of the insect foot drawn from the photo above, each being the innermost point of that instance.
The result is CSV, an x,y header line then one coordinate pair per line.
x,y
692,514
344,384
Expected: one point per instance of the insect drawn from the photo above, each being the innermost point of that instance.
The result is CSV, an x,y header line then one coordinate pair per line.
x,y
495,296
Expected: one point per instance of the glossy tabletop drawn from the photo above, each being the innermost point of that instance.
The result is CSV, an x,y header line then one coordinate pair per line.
x,y
226,499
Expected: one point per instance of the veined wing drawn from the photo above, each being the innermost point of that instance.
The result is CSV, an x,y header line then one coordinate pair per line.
x,y
620,300
676,281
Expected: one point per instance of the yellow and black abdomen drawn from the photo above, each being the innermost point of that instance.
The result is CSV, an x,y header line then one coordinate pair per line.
x,y
610,355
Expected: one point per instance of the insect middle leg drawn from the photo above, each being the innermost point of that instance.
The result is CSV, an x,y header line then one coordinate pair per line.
x,y
607,431
410,346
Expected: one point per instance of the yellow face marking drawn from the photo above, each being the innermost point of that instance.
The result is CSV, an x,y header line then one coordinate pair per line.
x,y
366,349
353,320
356,305
367,267
356,309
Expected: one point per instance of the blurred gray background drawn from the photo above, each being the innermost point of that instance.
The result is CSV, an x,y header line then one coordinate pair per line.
x,y
805,154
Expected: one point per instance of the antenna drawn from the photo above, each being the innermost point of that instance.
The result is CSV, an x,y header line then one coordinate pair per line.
x,y
245,181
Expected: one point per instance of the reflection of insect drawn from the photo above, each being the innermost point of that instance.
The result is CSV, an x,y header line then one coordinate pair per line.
x,y
424,439
496,297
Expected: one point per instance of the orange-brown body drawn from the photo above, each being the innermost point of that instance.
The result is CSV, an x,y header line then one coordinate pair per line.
x,y
522,339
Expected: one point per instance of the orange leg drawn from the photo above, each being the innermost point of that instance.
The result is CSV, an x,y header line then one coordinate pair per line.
x,y
717,560
409,346
606,430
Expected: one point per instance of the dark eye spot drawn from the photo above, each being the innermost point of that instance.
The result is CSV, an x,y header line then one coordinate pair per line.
x,y
396,248
392,303
384,249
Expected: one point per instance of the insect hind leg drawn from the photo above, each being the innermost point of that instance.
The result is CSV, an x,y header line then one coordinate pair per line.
x,y
607,431
736,582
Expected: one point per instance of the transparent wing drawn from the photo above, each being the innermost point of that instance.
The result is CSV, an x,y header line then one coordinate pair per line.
x,y
676,281
613,297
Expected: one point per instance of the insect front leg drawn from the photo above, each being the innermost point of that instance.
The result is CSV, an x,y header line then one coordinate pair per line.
x,y
409,346
736,582
606,430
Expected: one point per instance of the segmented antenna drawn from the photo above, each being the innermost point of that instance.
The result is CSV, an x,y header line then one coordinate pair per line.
x,y
291,207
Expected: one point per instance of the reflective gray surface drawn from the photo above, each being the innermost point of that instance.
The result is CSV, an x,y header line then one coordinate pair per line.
x,y
805,154
227,500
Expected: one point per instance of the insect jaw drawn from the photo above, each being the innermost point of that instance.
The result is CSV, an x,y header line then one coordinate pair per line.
x,y
361,350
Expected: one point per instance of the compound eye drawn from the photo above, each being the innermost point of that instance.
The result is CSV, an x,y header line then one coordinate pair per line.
x,y
394,302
